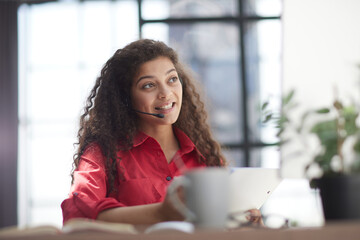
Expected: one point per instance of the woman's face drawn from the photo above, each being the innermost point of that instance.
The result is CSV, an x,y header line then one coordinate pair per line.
x,y
156,89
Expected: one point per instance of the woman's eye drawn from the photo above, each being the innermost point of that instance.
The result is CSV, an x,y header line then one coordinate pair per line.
x,y
173,79
147,85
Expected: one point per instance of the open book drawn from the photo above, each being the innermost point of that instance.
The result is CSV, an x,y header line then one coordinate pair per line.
x,y
71,226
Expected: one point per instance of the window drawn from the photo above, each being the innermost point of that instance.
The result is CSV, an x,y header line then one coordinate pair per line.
x,y
233,47
60,58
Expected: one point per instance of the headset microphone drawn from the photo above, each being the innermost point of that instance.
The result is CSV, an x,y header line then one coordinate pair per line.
x,y
159,115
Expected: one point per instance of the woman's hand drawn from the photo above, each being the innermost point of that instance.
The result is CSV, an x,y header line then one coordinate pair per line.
x,y
167,209
254,217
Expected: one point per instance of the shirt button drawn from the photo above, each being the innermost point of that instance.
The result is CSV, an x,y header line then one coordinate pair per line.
x,y
168,178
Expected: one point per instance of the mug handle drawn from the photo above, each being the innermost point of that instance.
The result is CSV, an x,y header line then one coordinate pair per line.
x,y
175,200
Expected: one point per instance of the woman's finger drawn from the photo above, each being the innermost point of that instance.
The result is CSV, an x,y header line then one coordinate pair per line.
x,y
255,216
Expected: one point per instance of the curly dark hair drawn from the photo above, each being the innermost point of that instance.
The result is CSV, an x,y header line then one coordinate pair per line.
x,y
109,121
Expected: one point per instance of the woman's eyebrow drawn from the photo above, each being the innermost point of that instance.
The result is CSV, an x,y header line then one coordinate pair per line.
x,y
141,78
171,70
151,76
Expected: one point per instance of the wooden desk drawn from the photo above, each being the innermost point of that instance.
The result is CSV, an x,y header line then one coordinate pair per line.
x,y
332,231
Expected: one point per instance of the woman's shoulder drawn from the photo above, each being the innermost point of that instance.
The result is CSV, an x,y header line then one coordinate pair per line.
x,y
93,154
92,148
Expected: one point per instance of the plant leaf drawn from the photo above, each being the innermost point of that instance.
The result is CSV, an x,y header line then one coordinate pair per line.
x,y
264,106
323,110
338,105
268,118
288,97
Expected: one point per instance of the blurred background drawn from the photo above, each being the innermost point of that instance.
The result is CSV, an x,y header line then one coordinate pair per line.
x,y
234,48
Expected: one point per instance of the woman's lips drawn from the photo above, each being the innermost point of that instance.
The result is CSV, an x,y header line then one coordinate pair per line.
x,y
166,108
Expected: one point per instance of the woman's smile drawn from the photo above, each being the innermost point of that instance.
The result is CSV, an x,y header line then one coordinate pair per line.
x,y
166,107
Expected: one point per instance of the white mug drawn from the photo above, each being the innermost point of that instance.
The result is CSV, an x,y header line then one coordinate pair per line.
x,y
206,196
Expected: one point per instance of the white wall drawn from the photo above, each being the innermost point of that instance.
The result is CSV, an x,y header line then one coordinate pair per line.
x,y
321,51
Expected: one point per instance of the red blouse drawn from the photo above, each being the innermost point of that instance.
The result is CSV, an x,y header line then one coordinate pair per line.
x,y
144,179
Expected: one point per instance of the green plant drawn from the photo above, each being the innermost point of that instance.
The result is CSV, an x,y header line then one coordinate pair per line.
x,y
334,127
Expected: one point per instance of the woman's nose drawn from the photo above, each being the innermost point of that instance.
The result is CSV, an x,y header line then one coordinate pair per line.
x,y
164,92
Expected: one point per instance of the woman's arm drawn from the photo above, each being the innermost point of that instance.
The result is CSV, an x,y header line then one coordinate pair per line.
x,y
142,214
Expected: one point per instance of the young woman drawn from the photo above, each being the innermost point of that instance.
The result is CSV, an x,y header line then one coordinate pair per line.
x,y
144,123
